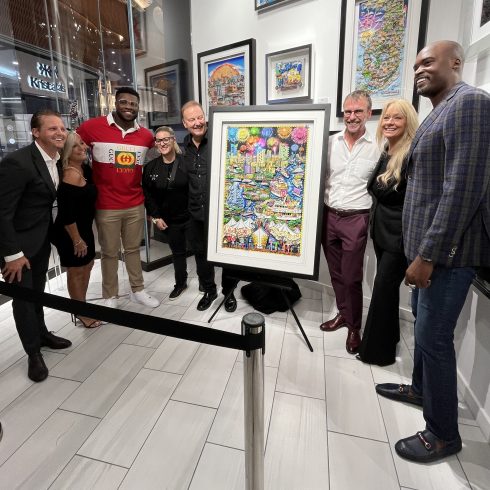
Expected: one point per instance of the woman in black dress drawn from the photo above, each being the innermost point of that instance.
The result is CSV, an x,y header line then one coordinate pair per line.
x,y
73,235
387,186
165,186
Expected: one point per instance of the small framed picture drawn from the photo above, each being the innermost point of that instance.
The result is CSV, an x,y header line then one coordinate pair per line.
x,y
261,5
166,84
226,75
289,75
266,182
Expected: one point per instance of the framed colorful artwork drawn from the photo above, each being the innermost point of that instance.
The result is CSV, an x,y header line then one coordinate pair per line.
x,y
167,87
226,75
266,184
265,4
288,75
379,41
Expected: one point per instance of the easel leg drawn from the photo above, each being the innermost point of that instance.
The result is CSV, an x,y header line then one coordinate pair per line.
x,y
285,296
223,302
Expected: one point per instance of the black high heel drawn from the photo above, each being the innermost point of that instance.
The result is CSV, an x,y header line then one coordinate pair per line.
x,y
93,324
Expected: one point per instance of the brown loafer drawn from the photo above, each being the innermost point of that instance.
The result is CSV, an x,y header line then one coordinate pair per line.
x,y
353,341
334,324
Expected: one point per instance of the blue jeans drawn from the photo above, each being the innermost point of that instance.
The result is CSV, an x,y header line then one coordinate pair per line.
x,y
436,311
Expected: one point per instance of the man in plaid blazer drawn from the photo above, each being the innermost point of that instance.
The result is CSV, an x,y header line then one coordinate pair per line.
x,y
446,228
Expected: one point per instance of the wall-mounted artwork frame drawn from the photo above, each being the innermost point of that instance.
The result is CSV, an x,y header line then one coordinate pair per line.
x,y
226,75
261,5
266,183
378,46
288,75
480,29
168,88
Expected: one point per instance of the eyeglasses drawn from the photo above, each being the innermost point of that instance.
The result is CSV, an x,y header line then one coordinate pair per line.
x,y
127,103
357,112
165,141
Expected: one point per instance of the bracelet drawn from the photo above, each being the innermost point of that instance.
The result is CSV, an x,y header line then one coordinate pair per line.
x,y
78,243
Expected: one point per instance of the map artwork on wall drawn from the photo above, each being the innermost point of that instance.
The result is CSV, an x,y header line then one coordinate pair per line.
x,y
381,44
226,81
265,170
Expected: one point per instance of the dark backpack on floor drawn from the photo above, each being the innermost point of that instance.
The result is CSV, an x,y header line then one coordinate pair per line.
x,y
268,299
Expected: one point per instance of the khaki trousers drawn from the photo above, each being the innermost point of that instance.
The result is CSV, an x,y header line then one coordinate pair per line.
x,y
114,226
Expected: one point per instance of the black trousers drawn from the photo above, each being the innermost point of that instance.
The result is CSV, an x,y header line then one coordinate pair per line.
x,y
178,235
205,271
29,317
382,329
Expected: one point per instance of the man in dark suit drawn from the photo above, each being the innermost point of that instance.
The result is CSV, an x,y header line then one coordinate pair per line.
x,y
446,232
29,180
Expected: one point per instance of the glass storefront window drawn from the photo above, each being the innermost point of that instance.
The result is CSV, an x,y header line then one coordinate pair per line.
x,y
72,55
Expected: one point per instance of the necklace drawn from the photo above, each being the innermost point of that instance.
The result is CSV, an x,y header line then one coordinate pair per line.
x,y
77,171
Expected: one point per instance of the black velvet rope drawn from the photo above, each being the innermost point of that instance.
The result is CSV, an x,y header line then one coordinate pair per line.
x,y
138,321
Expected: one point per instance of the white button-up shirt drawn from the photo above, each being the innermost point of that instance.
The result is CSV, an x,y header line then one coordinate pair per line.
x,y
349,171
51,164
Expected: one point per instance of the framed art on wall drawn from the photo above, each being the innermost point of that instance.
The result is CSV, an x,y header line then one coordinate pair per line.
x,y
167,84
266,184
379,40
288,75
226,75
265,4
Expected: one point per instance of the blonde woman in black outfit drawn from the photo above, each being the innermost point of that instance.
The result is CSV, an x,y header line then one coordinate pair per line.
x,y
387,185
166,187
73,235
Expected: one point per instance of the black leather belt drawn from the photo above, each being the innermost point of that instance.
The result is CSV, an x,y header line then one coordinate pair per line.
x,y
343,213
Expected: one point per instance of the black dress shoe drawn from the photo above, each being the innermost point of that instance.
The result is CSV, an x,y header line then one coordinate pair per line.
x,y
230,303
401,393
178,290
425,447
206,301
37,370
53,342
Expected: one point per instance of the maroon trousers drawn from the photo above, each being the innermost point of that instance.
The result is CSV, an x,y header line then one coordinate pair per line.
x,y
344,243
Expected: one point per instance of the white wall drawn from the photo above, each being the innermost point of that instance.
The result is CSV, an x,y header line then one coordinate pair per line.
x,y
216,23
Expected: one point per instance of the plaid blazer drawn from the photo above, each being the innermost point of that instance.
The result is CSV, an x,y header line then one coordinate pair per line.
x,y
446,215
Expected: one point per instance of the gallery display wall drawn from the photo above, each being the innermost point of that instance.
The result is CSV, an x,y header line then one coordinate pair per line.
x,y
215,23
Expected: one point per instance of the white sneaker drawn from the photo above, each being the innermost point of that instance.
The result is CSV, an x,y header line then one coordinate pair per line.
x,y
144,298
110,302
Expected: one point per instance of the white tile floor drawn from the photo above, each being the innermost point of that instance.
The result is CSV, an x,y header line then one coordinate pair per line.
x,y
132,410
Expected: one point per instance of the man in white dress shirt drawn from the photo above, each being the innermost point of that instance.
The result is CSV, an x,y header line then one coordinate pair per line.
x,y
29,178
352,157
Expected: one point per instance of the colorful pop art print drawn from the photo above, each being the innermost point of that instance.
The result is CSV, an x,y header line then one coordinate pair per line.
x,y
289,75
226,75
379,42
266,183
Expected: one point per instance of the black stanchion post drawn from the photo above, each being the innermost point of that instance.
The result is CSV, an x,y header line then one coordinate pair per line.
x,y
253,376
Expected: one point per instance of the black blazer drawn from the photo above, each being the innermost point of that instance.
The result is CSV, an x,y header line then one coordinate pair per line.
x,y
385,221
26,200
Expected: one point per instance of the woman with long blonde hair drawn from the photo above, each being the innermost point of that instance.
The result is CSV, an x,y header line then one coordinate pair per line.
x,y
73,235
396,130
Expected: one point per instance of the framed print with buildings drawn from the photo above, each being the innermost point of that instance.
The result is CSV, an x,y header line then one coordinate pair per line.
x,y
288,75
226,75
379,41
167,87
266,182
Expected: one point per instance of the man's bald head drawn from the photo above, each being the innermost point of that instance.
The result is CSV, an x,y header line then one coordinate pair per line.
x,y
438,68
